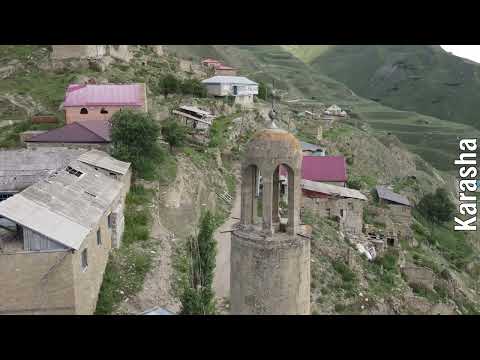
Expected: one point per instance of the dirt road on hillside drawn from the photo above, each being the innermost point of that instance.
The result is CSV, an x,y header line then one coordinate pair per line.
x,y
221,280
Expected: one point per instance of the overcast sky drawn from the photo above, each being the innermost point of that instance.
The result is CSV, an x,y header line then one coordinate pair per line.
x,y
471,52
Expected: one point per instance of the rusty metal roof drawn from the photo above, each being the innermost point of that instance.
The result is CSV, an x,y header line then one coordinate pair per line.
x,y
332,190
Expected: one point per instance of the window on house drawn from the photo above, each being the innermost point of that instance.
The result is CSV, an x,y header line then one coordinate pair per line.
x,y
104,111
83,111
84,260
341,212
72,171
5,196
110,221
328,213
99,237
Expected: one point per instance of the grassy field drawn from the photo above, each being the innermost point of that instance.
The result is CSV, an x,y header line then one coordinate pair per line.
x,y
422,78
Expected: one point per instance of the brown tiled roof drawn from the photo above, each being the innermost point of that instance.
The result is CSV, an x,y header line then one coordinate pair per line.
x,y
93,131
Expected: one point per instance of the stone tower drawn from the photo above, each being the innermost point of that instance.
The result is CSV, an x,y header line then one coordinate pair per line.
x,y
270,262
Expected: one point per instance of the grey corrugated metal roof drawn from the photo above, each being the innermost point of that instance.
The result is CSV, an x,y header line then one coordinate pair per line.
x,y
103,160
195,109
39,219
387,194
240,80
332,190
310,147
157,311
22,168
64,207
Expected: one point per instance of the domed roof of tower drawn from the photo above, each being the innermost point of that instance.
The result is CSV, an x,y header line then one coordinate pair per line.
x,y
268,135
274,144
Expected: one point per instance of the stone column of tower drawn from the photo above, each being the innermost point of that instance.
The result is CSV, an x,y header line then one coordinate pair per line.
x,y
270,269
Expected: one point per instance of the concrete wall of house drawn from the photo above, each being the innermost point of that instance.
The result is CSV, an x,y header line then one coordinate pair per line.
x,y
269,277
244,100
348,211
86,146
87,282
26,289
72,114
216,90
77,51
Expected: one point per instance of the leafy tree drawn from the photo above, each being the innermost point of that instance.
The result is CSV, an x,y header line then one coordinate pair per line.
x,y
193,87
262,91
437,208
134,137
173,133
196,293
169,84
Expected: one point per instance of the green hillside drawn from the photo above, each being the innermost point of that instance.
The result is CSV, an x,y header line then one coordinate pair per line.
x,y
433,139
421,78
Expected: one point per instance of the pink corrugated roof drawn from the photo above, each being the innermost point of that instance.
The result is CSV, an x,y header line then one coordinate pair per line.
x,y
322,168
104,94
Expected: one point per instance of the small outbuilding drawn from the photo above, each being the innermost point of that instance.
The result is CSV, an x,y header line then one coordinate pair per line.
x,y
195,117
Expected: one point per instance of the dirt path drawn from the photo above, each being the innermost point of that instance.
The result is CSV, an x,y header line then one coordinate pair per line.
x,y
221,280
157,286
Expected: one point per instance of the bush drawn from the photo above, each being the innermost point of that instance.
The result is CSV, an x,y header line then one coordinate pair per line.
x,y
174,133
193,87
436,207
354,183
128,127
168,84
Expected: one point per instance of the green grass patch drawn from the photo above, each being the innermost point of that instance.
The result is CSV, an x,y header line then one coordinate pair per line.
x,y
127,266
349,280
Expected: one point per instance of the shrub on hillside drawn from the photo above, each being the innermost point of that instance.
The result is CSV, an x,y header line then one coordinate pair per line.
x,y
436,207
174,133
134,138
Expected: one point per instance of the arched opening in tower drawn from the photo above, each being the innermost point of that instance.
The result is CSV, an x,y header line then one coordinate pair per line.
x,y
283,200
251,195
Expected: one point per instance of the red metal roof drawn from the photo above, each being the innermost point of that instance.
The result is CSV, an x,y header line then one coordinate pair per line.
x,y
92,131
224,67
208,61
322,168
105,94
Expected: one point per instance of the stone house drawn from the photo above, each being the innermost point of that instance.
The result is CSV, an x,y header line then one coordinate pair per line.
x,y
335,110
93,134
196,118
100,101
397,209
326,200
241,88
119,52
224,70
55,250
